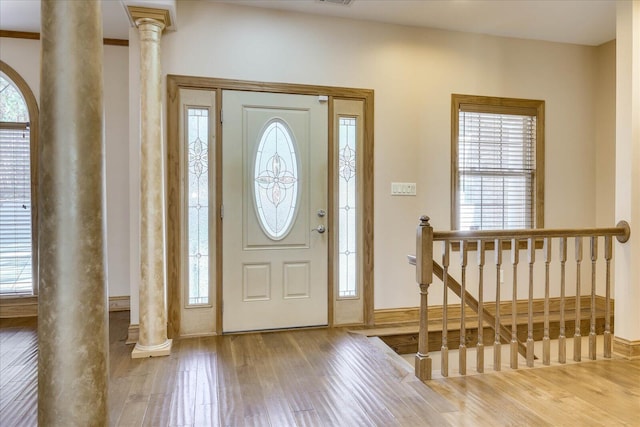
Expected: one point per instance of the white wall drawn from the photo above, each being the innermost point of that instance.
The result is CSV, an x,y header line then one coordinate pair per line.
x,y
116,101
134,174
413,72
24,57
627,190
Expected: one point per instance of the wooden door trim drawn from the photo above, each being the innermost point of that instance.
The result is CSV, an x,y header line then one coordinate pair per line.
x,y
177,82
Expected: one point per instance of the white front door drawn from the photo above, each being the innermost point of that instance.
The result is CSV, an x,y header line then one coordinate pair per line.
x,y
274,175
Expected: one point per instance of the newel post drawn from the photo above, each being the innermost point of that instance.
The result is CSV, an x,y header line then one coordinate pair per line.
x,y
424,277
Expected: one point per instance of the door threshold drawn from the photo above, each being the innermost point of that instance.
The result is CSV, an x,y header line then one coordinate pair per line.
x,y
260,331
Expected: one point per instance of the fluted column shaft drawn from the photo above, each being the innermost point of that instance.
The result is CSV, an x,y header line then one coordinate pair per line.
x,y
72,304
153,318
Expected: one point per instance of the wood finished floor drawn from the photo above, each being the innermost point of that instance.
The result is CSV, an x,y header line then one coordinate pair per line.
x,y
319,378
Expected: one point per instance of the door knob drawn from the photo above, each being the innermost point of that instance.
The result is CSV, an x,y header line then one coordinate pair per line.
x,y
320,229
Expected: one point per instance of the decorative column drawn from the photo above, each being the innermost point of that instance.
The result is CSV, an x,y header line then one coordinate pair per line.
x,y
73,346
152,339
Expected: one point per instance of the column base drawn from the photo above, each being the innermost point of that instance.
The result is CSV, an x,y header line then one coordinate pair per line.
x,y
142,351
625,348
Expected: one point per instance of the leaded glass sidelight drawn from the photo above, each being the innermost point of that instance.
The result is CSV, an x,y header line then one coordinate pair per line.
x,y
347,209
198,204
276,178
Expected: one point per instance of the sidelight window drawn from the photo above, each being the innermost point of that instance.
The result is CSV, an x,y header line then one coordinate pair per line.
x,y
347,209
198,205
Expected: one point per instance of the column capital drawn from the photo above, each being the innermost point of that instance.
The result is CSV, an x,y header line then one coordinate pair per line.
x,y
149,29
140,15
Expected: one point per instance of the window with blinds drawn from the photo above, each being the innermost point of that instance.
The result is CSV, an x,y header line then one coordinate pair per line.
x,y
496,152
15,192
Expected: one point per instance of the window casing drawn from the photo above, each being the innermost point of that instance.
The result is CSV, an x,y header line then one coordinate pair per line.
x,y
497,163
18,210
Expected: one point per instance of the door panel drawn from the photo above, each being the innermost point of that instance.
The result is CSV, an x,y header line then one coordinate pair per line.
x,y
274,184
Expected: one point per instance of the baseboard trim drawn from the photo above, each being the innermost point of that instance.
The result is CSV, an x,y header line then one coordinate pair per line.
x,y
625,348
392,316
28,306
133,333
122,303
411,315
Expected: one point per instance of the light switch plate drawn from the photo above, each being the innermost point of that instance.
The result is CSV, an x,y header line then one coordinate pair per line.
x,y
403,188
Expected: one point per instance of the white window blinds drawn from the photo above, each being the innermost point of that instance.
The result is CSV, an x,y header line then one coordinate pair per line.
x,y
496,170
15,209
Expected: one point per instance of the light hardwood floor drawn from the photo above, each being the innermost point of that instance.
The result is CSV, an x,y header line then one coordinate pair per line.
x,y
324,377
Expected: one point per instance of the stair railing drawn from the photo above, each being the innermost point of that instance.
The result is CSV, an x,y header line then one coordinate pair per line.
x,y
514,241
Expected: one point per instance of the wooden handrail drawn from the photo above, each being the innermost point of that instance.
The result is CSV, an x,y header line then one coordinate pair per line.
x,y
426,267
621,231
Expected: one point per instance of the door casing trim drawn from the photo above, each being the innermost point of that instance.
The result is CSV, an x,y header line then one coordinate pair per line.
x,y
173,247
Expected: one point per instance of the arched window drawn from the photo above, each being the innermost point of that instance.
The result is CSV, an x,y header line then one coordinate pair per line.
x,y
18,138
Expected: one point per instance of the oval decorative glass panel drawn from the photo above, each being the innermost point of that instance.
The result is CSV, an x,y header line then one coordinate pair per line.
x,y
276,178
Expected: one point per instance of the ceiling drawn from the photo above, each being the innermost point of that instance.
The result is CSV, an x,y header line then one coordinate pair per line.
x,y
588,22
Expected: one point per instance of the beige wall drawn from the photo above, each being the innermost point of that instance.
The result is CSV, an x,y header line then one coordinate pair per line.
x,y
24,57
605,133
413,72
